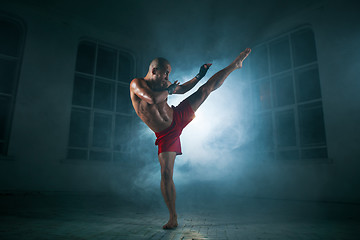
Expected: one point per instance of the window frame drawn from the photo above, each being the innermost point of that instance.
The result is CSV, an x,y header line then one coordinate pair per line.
x,y
113,113
22,28
267,75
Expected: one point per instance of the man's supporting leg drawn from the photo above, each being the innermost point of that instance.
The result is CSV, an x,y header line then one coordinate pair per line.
x,y
167,160
197,98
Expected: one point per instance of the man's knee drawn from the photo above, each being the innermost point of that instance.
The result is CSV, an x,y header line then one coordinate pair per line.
x,y
166,174
204,91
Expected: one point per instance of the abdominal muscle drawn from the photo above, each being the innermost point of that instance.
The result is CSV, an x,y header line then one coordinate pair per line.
x,y
157,117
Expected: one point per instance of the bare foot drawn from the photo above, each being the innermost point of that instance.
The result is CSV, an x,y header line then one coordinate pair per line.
x,y
239,60
171,224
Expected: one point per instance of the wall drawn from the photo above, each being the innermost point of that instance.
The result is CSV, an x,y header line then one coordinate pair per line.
x,y
40,128
188,37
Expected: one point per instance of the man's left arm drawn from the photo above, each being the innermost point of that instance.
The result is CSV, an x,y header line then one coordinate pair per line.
x,y
183,88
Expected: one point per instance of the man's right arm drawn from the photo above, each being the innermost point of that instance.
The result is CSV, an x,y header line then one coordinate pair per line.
x,y
185,87
143,91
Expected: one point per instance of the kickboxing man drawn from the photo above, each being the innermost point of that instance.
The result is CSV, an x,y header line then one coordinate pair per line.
x,y
149,98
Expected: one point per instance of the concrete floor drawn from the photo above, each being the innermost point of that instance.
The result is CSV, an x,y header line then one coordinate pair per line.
x,y
43,216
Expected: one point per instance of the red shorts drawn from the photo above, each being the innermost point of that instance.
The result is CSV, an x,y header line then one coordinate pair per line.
x,y
168,140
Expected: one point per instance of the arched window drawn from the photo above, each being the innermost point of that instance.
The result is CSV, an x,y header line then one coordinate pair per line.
x,y
286,97
11,46
101,114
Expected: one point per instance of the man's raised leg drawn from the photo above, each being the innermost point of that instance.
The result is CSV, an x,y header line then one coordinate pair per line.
x,y
197,98
167,160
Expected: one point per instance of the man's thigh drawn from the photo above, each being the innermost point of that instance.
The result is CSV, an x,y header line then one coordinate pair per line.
x,y
197,98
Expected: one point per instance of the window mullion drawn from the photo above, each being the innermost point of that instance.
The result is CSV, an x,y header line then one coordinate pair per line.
x,y
92,111
296,117
113,123
274,146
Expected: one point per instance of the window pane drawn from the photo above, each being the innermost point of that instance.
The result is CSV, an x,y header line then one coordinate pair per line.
x,y
261,95
102,130
5,103
285,128
85,59
280,55
283,90
259,62
307,84
100,156
77,154
124,159
79,128
288,155
311,120
10,36
106,62
104,95
318,153
124,73
123,101
82,91
7,76
264,127
264,156
303,45
122,133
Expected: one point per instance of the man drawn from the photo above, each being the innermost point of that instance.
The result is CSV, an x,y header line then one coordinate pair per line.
x,y
149,98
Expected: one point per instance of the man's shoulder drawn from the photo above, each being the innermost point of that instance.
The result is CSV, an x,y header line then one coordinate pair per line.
x,y
137,82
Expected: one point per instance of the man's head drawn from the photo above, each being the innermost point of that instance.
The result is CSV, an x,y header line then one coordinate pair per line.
x,y
159,70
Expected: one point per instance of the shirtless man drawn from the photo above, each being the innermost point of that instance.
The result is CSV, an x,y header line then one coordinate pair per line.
x,y
149,98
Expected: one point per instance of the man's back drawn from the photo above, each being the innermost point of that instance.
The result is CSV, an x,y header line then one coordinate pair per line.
x,y
155,113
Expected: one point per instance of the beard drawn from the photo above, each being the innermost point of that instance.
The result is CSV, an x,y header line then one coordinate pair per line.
x,y
159,86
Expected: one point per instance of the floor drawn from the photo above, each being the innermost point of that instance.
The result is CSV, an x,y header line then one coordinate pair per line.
x,y
43,216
